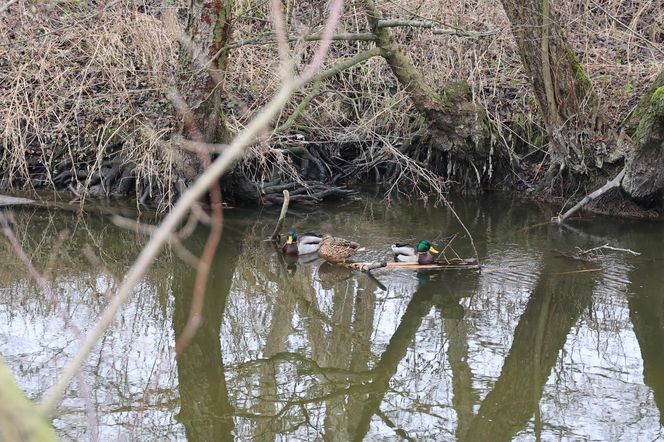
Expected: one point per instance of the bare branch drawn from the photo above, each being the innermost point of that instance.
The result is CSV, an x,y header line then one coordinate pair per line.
x,y
433,26
282,41
45,288
607,247
336,9
615,182
328,73
6,5
269,38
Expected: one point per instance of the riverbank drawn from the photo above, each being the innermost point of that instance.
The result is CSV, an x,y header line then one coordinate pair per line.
x,y
87,105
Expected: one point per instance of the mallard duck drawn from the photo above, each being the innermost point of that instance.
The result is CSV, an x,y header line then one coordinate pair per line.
x,y
336,250
301,245
407,253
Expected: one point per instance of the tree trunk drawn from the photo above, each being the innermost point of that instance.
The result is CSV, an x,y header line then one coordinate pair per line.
x,y
644,177
209,28
201,71
561,87
457,124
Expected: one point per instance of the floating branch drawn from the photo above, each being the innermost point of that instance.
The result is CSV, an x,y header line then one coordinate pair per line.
x,y
607,247
367,266
454,263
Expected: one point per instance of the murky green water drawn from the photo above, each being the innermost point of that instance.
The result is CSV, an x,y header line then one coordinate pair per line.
x,y
537,345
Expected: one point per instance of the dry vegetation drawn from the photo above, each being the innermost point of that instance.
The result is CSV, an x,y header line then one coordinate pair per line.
x,y
83,92
83,99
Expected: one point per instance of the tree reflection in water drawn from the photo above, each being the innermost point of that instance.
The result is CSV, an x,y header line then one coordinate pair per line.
x,y
302,350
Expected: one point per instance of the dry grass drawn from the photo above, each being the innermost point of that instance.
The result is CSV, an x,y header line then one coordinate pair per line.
x,y
83,90
87,86
367,107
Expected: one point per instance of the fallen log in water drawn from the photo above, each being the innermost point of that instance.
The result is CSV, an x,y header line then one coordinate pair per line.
x,y
450,264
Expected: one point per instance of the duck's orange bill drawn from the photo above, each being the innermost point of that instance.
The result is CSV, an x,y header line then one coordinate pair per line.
x,y
289,240
432,250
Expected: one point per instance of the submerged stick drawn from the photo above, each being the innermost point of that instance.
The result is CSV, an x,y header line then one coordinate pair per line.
x,y
615,182
282,216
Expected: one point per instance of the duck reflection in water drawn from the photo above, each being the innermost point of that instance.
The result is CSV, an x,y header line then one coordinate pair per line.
x,y
330,274
293,261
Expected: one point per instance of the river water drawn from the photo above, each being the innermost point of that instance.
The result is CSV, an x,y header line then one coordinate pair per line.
x,y
536,345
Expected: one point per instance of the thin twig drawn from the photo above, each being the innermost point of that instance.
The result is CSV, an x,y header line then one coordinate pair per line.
x,y
652,45
7,5
326,74
45,288
433,26
463,226
269,38
286,67
203,270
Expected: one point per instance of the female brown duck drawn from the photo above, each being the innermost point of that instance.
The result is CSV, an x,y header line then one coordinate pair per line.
x,y
337,250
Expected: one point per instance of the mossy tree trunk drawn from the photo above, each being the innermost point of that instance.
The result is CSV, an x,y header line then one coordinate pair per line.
x,y
559,84
201,71
644,177
457,124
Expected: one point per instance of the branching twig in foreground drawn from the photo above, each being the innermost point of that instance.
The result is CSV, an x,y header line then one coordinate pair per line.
x,y
180,209
159,237
6,5
45,288
463,226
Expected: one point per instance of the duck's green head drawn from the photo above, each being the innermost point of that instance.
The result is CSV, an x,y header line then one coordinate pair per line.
x,y
292,236
425,246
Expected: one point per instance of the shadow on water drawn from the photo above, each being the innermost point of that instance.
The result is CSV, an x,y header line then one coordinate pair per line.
x,y
299,349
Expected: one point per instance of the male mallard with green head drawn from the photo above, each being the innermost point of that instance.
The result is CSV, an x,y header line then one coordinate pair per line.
x,y
301,245
337,250
408,253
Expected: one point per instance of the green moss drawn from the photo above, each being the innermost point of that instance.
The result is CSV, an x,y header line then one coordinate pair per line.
x,y
222,30
581,74
659,92
455,91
